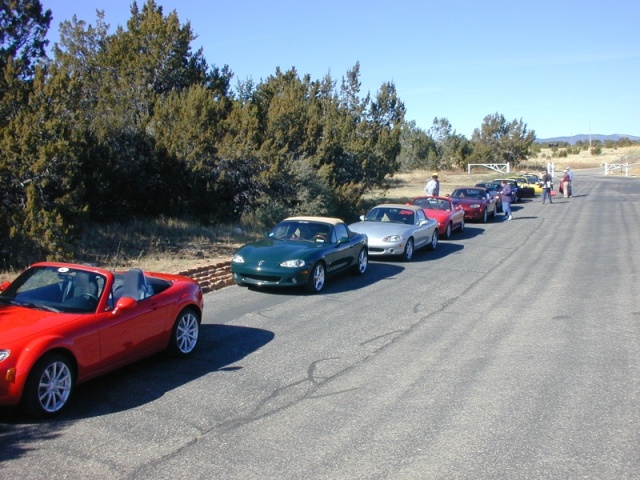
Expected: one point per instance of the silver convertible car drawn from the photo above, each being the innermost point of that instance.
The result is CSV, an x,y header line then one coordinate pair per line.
x,y
395,229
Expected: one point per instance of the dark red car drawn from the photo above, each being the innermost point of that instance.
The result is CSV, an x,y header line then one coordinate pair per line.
x,y
477,203
449,216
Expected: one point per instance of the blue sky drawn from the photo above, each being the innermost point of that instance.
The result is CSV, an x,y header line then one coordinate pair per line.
x,y
563,67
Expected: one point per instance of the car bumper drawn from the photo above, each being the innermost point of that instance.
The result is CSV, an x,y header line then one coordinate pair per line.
x,y
271,278
10,391
475,214
385,248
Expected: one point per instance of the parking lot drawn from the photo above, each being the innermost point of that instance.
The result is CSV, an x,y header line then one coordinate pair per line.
x,y
512,351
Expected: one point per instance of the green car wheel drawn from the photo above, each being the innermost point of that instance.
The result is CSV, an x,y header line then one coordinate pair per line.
x,y
363,262
316,280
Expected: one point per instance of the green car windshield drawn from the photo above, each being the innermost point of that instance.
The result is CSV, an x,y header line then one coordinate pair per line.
x,y
302,231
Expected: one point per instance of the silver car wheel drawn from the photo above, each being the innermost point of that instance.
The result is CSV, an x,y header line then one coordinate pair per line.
x,y
447,234
408,250
434,240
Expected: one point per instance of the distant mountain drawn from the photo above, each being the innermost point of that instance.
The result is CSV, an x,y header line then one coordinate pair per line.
x,y
585,138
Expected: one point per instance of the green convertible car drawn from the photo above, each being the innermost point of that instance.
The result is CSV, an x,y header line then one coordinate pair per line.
x,y
301,252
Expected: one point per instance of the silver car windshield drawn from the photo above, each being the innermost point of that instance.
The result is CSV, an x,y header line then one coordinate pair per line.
x,y
394,215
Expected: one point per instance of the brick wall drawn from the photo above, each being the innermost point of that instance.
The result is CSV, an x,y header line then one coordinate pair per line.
x,y
211,277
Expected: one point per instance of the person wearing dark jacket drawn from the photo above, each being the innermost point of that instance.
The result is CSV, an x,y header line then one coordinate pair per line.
x,y
547,185
507,196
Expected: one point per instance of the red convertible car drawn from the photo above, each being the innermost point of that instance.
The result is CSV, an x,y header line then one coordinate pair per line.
x,y
449,216
477,202
62,324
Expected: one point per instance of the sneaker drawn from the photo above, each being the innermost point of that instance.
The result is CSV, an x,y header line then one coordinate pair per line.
x,y
509,217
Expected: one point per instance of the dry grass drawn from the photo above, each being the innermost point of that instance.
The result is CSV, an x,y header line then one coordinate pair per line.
x,y
161,245
167,245
170,245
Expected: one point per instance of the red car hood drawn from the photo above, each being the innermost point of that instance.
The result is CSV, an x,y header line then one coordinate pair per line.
x,y
439,215
18,322
467,201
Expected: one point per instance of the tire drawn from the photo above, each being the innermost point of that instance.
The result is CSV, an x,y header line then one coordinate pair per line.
x,y
49,386
485,216
407,255
462,225
493,214
316,279
447,233
185,333
363,262
434,240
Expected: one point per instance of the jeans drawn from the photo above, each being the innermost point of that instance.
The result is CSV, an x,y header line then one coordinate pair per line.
x,y
546,194
506,208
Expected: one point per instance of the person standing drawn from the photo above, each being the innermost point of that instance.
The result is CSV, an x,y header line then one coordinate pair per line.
x,y
507,195
570,181
566,182
432,188
547,185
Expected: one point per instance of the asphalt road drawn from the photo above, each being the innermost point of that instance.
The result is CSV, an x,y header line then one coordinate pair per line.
x,y
512,351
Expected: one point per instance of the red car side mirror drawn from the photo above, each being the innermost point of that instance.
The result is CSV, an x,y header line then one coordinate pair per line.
x,y
125,303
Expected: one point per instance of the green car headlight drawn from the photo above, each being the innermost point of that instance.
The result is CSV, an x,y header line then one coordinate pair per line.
x,y
237,259
293,263
392,238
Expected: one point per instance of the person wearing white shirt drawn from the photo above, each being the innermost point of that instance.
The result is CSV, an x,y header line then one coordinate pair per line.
x,y
432,188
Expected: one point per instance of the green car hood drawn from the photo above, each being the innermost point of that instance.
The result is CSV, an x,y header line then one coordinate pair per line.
x,y
275,251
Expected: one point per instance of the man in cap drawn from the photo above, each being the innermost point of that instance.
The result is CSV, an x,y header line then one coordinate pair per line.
x,y
433,186
570,172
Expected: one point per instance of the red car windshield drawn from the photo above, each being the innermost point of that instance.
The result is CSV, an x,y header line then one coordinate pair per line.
x,y
60,289
468,193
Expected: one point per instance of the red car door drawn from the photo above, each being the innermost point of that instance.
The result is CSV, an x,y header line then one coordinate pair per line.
x,y
133,332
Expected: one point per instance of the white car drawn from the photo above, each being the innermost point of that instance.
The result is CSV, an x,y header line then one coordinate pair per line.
x,y
396,229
